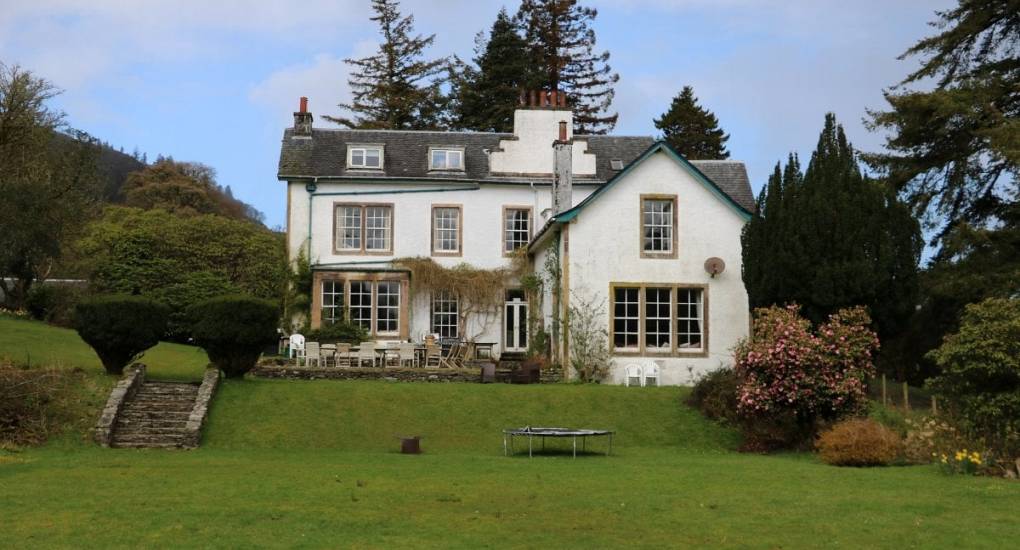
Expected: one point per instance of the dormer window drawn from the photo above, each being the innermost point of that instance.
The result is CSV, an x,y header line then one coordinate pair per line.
x,y
446,159
366,157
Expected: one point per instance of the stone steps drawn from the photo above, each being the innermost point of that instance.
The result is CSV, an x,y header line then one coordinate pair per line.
x,y
156,417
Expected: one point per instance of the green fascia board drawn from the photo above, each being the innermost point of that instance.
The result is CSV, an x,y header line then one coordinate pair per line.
x,y
652,149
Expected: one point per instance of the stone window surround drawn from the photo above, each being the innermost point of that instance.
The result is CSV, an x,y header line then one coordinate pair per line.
x,y
364,229
674,351
401,277
460,231
507,208
672,254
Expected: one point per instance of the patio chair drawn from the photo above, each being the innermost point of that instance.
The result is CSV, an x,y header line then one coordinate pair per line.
x,y
634,377
296,347
313,354
455,357
651,375
366,352
433,355
405,354
343,354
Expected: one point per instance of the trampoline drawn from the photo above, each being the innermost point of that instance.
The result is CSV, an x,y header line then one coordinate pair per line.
x,y
532,432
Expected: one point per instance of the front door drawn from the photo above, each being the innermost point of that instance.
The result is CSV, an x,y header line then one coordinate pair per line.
x,y
515,322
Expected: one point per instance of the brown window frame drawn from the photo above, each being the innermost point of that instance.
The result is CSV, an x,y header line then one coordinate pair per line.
x,y
673,253
644,350
460,231
363,251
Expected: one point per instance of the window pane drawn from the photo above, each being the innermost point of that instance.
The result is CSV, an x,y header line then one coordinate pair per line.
x,y
689,318
349,227
517,229
657,225
625,326
446,229
445,315
657,318
361,304
357,157
372,157
438,159
387,307
332,301
453,160
378,227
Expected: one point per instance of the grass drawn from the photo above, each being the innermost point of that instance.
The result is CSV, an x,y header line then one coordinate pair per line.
x,y
36,343
312,464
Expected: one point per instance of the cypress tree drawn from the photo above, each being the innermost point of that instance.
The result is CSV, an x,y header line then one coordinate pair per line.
x,y
693,130
396,89
833,238
487,94
562,47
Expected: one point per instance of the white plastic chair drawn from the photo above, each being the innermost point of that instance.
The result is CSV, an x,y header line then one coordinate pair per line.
x,y
651,375
313,354
634,375
296,347
366,352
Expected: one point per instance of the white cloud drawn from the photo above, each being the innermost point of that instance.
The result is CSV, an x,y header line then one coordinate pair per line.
x,y
323,82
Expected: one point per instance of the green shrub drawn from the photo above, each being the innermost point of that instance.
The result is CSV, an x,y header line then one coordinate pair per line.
x,y
233,330
979,387
53,303
859,442
715,395
338,331
193,288
37,403
120,328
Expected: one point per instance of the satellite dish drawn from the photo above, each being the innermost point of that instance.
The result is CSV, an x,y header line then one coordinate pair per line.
x,y
715,266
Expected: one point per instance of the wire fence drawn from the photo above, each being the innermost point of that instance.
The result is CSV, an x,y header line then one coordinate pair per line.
x,y
900,395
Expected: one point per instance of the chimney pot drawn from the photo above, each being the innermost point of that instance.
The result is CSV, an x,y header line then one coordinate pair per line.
x,y
304,105
563,131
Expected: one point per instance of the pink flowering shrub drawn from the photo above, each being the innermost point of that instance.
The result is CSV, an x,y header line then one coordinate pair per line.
x,y
792,376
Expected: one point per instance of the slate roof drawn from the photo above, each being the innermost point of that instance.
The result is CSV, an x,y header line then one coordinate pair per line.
x,y
406,156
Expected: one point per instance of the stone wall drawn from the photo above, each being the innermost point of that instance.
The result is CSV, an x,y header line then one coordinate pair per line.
x,y
193,428
134,377
392,374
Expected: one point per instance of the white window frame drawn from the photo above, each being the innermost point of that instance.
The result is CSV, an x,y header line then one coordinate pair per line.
x,y
361,307
445,315
626,303
447,230
513,236
658,226
653,320
684,326
362,151
447,152
364,228
683,319
333,300
379,306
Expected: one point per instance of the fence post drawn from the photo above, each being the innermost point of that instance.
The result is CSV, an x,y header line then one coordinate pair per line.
x,y
885,400
906,398
934,407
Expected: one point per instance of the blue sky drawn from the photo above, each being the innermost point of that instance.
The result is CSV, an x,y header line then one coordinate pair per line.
x,y
216,82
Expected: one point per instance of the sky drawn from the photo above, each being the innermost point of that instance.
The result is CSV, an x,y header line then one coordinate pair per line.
x,y
217,82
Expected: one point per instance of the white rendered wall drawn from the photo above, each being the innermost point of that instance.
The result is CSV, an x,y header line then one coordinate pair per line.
x,y
482,229
604,249
531,151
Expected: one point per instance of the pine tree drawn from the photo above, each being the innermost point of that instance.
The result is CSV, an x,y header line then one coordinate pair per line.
x,y
954,151
693,130
396,89
832,238
487,93
562,44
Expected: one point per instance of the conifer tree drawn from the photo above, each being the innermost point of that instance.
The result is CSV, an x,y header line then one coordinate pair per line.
x,y
954,150
562,47
396,89
832,238
693,130
487,93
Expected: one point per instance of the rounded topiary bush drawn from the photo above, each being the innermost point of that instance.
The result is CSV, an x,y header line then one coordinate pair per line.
x,y
120,328
234,330
859,442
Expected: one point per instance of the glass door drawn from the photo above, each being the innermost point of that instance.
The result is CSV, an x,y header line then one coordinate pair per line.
x,y
515,322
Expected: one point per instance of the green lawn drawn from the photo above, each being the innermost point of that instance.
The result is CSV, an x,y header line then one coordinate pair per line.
x,y
312,464
36,343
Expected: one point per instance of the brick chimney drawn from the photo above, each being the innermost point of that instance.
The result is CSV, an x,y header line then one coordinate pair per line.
x,y
563,179
303,120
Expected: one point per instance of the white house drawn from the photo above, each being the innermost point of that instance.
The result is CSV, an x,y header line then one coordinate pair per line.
x,y
631,221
